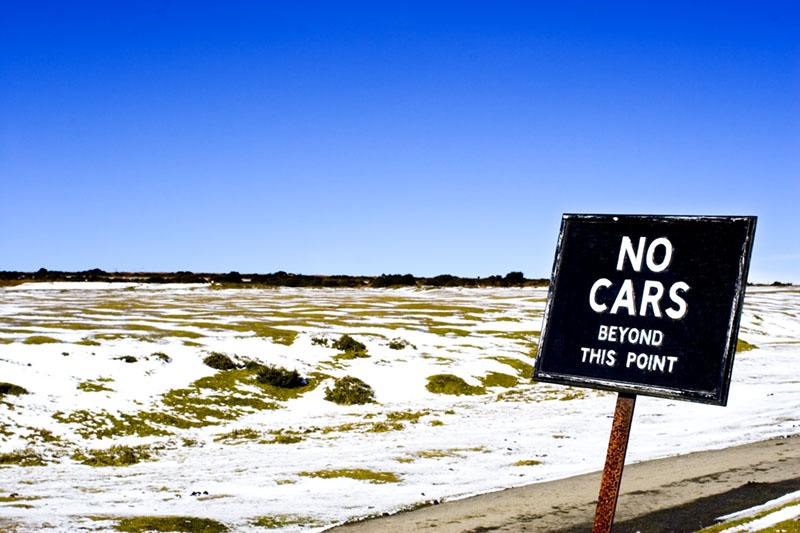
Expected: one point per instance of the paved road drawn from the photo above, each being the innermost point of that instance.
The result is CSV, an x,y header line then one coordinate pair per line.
x,y
676,494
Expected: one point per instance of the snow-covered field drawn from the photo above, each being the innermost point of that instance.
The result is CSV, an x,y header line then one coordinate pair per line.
x,y
120,368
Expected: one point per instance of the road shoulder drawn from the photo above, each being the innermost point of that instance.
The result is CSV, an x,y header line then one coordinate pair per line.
x,y
681,493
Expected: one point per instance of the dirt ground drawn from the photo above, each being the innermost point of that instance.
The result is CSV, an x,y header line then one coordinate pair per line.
x,y
677,494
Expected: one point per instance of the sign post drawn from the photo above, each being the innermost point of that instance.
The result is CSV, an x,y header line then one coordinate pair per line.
x,y
642,304
615,461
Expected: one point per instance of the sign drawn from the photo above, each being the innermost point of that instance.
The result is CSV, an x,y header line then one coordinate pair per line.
x,y
646,304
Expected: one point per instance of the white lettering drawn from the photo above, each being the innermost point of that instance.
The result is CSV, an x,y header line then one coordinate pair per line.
x,y
652,298
625,299
651,362
652,295
626,248
651,252
598,307
622,334
680,311
600,356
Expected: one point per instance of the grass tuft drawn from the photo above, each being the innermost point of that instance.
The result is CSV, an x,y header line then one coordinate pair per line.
x,y
450,384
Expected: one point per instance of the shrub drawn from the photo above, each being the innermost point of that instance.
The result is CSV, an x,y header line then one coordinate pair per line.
x,y
350,391
399,344
393,280
126,359
219,361
10,388
280,377
514,278
450,384
348,344
319,341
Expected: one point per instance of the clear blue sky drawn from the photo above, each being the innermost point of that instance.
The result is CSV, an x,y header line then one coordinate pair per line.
x,y
386,137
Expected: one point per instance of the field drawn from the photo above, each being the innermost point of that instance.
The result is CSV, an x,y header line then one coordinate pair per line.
x,y
140,406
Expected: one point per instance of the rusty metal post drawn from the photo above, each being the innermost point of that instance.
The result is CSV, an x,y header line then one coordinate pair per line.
x,y
615,461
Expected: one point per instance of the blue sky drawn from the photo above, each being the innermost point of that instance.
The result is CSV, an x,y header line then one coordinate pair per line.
x,y
386,137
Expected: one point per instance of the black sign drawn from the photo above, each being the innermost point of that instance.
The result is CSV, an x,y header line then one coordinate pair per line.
x,y
646,304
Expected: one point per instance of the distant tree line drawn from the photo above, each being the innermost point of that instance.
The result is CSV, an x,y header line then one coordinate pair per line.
x,y
275,279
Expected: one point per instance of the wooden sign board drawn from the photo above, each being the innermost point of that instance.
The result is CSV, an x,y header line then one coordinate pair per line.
x,y
646,304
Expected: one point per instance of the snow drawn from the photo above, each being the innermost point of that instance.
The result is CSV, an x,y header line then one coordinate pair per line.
x,y
771,518
459,446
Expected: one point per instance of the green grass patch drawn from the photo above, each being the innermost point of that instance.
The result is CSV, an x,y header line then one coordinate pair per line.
x,y
102,424
452,452
285,520
406,416
449,332
789,526
163,524
290,438
40,339
360,474
528,462
238,435
22,458
384,427
95,385
524,370
213,400
744,346
278,336
498,379
109,337
450,384
113,456
572,394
